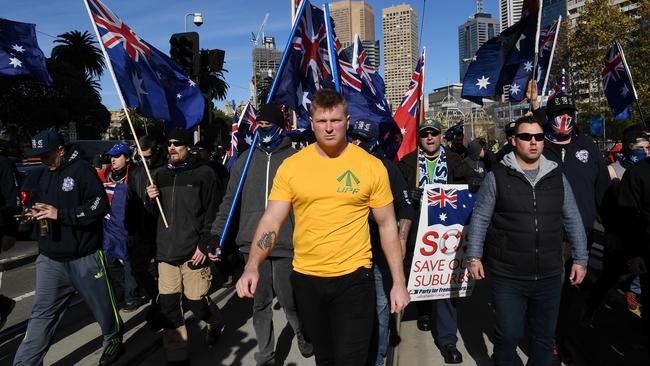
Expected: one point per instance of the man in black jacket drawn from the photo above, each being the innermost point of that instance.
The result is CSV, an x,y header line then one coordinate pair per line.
x,y
523,209
188,194
275,270
365,135
432,163
70,205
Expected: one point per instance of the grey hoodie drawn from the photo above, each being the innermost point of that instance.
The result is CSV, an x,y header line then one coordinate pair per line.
x,y
254,195
485,203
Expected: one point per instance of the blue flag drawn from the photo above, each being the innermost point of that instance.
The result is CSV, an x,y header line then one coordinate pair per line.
x,y
457,129
617,81
450,206
307,64
150,81
517,90
497,61
596,126
19,51
625,115
363,89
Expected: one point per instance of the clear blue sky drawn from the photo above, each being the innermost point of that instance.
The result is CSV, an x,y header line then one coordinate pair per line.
x,y
228,25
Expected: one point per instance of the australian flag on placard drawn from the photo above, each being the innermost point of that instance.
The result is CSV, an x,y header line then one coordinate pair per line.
x,y
449,204
497,60
363,89
307,64
517,90
617,81
150,81
19,51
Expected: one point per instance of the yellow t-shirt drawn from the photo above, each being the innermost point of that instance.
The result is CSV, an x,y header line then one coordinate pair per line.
x,y
331,199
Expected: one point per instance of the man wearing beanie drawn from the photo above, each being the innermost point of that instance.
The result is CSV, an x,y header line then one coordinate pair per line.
x,y
269,153
187,192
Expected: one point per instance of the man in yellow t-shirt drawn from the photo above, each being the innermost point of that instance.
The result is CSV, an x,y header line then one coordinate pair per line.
x,y
332,186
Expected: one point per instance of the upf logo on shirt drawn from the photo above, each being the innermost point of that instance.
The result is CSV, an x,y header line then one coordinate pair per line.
x,y
348,178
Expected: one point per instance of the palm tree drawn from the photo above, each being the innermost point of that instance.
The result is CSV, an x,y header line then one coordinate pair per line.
x,y
213,84
80,50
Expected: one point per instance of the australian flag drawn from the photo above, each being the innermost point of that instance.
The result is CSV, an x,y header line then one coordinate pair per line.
x,y
363,89
457,129
407,115
241,135
307,63
517,90
150,81
497,61
449,204
617,81
19,51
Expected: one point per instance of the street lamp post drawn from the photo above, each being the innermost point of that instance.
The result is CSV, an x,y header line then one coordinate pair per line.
x,y
198,19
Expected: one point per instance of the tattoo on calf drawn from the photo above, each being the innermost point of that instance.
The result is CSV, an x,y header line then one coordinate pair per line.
x,y
267,240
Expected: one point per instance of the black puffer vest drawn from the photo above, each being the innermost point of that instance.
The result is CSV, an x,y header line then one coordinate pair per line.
x,y
524,240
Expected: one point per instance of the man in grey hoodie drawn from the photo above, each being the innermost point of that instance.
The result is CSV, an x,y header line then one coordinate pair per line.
x,y
272,150
524,208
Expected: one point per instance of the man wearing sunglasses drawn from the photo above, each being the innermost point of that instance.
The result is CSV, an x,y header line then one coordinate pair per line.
x,y
188,194
524,207
432,163
580,161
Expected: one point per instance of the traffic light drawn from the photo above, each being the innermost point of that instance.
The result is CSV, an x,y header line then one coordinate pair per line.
x,y
212,60
185,52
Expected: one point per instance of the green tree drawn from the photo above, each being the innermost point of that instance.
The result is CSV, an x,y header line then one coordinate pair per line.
x,y
80,50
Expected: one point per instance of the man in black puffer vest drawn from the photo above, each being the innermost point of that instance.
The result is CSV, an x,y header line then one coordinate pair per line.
x,y
523,208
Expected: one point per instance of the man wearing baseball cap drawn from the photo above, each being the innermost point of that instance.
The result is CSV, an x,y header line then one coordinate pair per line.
x,y
70,205
433,163
365,134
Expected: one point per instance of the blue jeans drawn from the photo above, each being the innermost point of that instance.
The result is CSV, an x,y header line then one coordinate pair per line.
x,y
518,301
383,315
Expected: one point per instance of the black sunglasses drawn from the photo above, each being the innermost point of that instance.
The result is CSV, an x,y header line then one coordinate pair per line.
x,y
525,136
175,143
425,134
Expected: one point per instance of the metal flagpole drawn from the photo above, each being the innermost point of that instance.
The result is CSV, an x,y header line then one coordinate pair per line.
x,y
550,60
126,112
330,47
629,75
537,33
269,98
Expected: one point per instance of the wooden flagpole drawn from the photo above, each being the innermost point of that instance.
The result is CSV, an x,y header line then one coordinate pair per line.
x,y
126,112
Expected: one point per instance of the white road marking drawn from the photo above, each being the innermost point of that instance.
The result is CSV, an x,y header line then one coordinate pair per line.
x,y
24,296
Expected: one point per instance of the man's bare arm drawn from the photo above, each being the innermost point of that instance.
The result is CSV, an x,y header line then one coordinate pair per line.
x,y
267,231
385,218
404,226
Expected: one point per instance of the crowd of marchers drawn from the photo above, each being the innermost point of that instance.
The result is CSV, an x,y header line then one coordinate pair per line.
x,y
330,229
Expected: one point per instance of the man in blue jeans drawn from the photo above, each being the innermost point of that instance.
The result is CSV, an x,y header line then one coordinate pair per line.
x,y
524,207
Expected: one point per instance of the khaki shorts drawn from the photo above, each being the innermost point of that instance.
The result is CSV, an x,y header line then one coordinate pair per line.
x,y
193,283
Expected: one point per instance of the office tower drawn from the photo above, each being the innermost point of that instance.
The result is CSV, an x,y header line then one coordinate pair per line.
x,y
356,17
401,53
478,29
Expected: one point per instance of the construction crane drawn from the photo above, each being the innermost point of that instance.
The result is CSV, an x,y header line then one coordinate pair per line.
x,y
256,37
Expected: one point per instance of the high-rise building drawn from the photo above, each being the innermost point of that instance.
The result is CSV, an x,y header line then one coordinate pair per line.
x,y
266,60
509,12
575,7
551,10
356,17
477,30
401,53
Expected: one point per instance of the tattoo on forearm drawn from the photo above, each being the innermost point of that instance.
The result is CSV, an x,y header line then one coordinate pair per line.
x,y
267,240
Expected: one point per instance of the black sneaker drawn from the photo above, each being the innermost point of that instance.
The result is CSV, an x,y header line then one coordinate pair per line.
x,y
306,348
451,354
213,333
7,305
111,353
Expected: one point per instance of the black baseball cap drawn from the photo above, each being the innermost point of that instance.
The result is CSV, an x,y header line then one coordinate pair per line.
x,y
45,142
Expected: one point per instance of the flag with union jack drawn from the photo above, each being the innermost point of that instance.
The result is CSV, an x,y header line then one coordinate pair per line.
x,y
617,81
449,204
307,65
241,135
407,115
149,80
364,91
